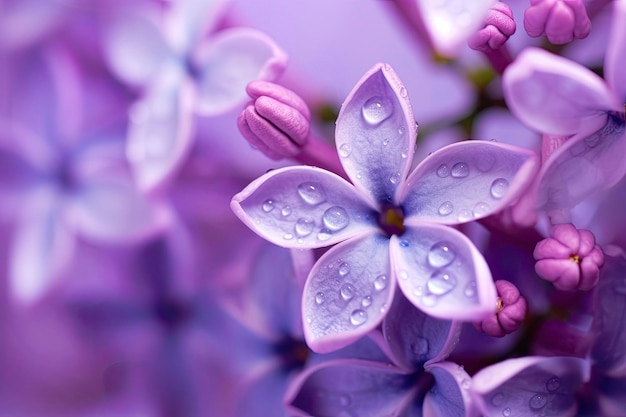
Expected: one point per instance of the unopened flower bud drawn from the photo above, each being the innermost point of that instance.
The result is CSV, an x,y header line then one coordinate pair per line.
x,y
561,21
510,312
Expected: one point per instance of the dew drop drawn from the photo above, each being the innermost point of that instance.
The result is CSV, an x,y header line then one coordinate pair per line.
x,y
311,193
480,209
401,131
345,150
287,236
395,178
465,215
347,291
440,255
367,301
506,412
418,291
404,244
268,205
404,274
324,235
344,269
336,218
537,402
380,283
304,226
553,384
446,208
383,308
441,282
403,92
465,384
285,211
459,170
499,186
376,110
470,289
358,317
420,346
385,141
497,399
320,297
405,153
429,300
443,171
309,319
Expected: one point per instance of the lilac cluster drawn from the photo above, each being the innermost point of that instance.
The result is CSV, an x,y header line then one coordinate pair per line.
x,y
216,208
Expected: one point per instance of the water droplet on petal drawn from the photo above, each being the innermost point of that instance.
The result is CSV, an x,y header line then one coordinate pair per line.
x,y
401,131
358,317
380,283
429,300
268,205
404,274
344,269
537,402
404,243
367,301
287,236
347,291
324,235
376,110
285,211
441,282
320,297
395,178
506,412
553,384
311,193
443,171
420,346
465,384
446,208
470,289
309,319
405,153
385,141
304,226
497,399
459,170
499,187
345,150
336,218
465,215
440,255
403,92
480,209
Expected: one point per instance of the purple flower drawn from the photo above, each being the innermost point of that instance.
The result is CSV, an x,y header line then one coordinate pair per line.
x,y
510,314
184,72
581,117
561,21
395,229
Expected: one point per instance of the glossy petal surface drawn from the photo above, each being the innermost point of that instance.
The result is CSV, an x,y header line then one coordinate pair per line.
x,y
467,181
304,207
414,337
348,292
450,396
229,62
451,22
375,134
585,164
350,388
555,95
442,273
615,59
530,386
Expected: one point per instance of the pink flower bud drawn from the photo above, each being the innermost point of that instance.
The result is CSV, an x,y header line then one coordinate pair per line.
x,y
510,314
561,21
498,27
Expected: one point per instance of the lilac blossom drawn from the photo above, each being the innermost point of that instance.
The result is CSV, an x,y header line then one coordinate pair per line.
x,y
561,21
393,228
186,67
499,25
510,314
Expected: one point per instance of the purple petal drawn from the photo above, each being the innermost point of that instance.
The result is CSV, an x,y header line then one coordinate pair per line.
x,y
557,96
467,181
42,248
609,330
349,387
615,59
585,164
450,396
451,24
229,62
415,338
347,293
187,21
442,273
304,207
160,130
376,132
610,397
262,394
530,385
134,46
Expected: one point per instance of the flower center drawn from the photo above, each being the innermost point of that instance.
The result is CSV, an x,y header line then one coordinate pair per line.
x,y
391,220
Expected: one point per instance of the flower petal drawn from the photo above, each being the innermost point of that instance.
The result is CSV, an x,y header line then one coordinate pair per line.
x,y
376,132
530,385
609,347
441,272
349,387
585,164
451,23
229,62
615,59
467,181
304,207
450,396
556,96
416,338
160,130
188,20
347,293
